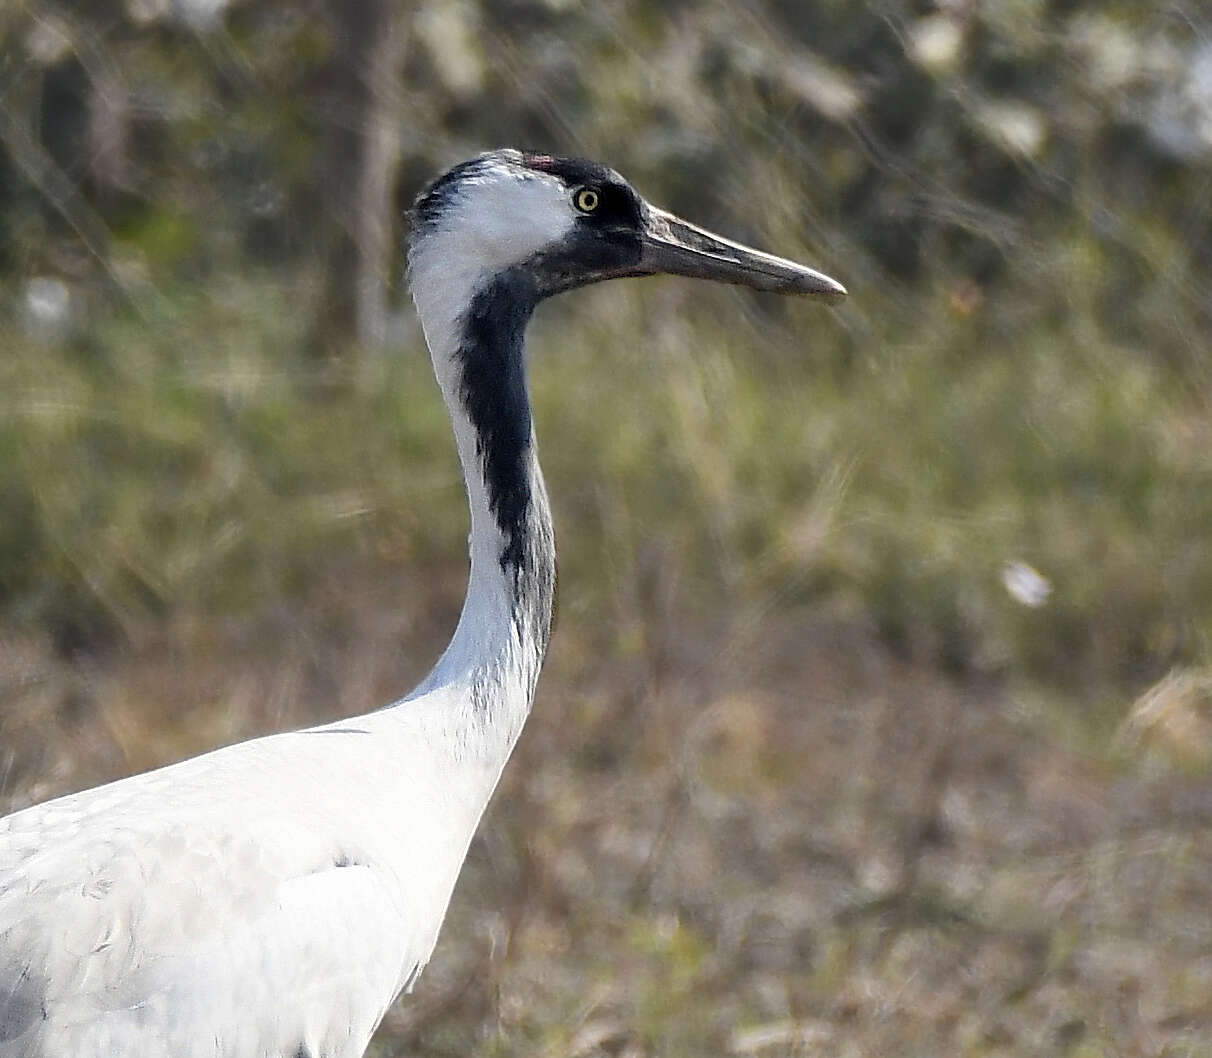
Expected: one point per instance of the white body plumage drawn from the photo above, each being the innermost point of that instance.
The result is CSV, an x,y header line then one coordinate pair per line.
x,y
242,903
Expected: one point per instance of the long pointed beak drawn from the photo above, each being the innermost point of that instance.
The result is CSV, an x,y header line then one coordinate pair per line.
x,y
673,245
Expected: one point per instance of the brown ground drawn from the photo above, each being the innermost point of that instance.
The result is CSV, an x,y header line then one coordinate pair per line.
x,y
768,838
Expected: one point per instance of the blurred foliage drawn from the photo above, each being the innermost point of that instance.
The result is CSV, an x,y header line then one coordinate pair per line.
x,y
1015,193
878,716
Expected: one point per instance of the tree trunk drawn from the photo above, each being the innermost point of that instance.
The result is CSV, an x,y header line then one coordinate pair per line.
x,y
360,106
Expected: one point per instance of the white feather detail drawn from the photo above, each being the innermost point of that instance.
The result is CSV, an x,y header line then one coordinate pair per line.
x,y
320,861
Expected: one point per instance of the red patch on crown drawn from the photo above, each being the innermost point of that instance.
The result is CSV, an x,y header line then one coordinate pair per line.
x,y
543,162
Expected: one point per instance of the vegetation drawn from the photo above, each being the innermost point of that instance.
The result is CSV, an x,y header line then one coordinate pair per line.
x,y
878,718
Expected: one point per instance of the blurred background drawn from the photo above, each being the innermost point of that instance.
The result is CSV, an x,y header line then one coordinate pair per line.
x,y
878,717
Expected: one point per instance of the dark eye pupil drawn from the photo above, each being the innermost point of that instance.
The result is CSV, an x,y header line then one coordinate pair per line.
x,y
587,199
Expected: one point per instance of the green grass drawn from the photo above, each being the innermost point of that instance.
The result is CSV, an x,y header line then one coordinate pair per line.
x,y
188,456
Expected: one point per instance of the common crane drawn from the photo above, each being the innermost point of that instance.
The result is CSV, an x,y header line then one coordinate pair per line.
x,y
272,898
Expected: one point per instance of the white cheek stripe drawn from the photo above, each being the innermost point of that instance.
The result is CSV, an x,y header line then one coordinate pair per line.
x,y
510,217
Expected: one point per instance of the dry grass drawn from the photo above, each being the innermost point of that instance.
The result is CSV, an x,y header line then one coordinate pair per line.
x,y
766,837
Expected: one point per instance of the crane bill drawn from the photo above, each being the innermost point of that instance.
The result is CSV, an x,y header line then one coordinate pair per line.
x,y
678,247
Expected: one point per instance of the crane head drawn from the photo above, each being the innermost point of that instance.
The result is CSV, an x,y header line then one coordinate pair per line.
x,y
560,223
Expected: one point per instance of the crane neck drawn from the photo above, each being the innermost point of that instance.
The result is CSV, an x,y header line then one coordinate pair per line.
x,y
475,328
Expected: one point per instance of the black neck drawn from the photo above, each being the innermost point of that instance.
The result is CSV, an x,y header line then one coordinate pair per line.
x,y
493,391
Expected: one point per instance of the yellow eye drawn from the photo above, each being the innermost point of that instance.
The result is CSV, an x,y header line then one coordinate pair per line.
x,y
586,199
